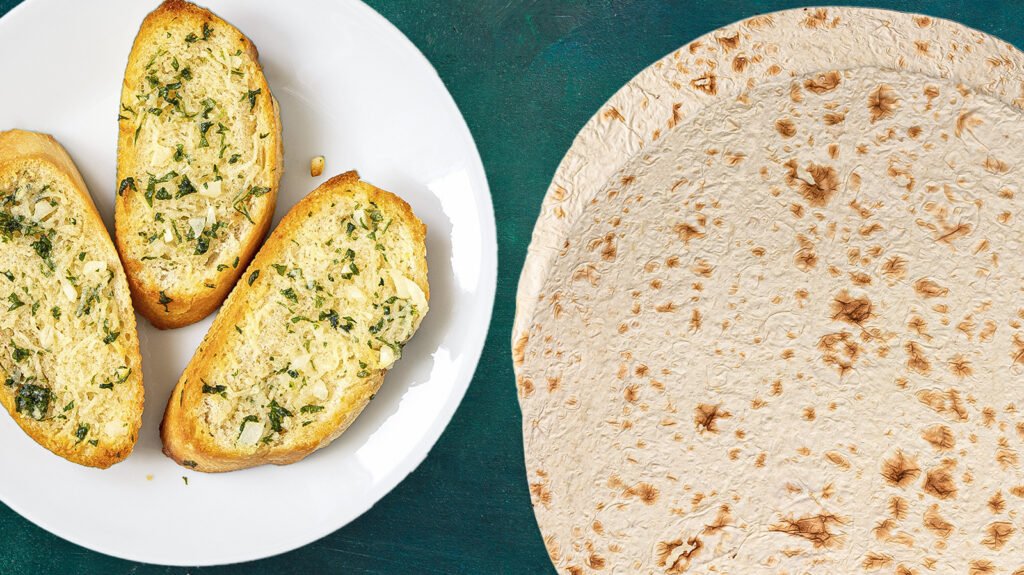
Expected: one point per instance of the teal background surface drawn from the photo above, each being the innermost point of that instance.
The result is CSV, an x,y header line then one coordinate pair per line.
x,y
527,74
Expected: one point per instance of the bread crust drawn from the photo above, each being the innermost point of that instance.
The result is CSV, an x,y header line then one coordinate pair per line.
x,y
190,303
18,148
182,439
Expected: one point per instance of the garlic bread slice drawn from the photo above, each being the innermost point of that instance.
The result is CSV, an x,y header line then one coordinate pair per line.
x,y
70,355
304,340
199,159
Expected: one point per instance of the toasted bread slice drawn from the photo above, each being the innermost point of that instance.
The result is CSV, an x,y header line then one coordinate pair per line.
x,y
199,159
70,361
305,339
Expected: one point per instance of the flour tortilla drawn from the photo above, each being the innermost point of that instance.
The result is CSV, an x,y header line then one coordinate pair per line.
x,y
786,334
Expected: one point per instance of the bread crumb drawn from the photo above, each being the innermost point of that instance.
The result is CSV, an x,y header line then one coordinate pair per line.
x,y
149,477
316,166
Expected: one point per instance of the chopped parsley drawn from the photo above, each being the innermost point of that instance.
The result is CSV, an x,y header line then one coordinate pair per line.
x,y
290,294
83,430
252,97
185,188
152,183
353,270
203,241
126,184
19,354
10,224
204,127
311,408
44,248
207,388
15,301
331,317
110,336
169,93
277,414
240,202
33,400
377,326
91,296
208,105
253,276
207,31
122,378
164,300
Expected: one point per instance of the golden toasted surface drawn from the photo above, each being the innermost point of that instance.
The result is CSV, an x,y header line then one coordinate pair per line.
x,y
70,354
199,161
303,342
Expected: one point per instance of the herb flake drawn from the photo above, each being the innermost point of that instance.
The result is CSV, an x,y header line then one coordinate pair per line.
x,y
277,415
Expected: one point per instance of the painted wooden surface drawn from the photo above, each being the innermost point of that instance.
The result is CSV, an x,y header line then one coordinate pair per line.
x,y
527,74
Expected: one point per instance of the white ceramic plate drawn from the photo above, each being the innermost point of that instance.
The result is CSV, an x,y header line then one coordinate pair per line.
x,y
353,88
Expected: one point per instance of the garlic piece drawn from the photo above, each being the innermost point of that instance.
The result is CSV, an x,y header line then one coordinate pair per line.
x,y
300,362
318,389
405,288
197,225
211,189
387,357
316,166
94,266
43,209
252,431
69,290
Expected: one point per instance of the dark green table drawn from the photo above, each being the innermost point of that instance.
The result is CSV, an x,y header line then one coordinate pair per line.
x,y
527,75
